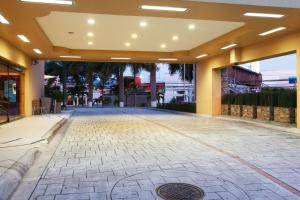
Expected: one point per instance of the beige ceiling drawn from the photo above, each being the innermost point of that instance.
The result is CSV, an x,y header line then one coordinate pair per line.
x,y
117,19
111,32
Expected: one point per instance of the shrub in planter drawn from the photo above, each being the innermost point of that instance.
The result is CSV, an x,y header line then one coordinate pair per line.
x,y
226,104
265,108
236,105
183,107
284,110
250,101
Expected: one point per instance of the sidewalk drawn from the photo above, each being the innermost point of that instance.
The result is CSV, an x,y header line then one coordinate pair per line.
x,y
22,138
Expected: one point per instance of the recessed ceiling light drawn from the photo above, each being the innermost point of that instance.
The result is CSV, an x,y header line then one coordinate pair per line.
x,y
167,59
37,51
143,24
90,43
90,34
127,44
272,31
70,57
3,20
23,38
163,46
62,2
134,36
202,56
163,8
91,21
263,15
175,37
192,26
228,46
119,58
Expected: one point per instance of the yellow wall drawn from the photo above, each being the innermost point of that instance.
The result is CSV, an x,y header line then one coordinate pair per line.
x,y
208,85
34,85
298,87
13,55
33,79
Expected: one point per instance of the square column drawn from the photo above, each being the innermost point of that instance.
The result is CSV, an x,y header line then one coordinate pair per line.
x,y
153,86
298,89
208,90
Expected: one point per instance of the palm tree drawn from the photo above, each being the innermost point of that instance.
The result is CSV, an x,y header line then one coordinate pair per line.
x,y
118,71
60,69
152,68
104,71
185,74
90,71
186,71
136,68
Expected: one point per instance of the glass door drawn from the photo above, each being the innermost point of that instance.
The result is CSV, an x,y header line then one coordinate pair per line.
x,y
4,102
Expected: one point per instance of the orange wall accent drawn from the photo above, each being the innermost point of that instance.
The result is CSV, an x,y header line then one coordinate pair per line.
x,y
13,55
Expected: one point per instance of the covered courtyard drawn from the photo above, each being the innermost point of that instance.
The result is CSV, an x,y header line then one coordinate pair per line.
x,y
127,153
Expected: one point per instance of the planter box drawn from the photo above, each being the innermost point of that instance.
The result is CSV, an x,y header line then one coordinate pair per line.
x,y
225,109
265,113
46,103
284,115
236,110
58,107
249,112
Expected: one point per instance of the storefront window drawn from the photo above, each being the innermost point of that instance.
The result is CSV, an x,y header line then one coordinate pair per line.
x,y
10,77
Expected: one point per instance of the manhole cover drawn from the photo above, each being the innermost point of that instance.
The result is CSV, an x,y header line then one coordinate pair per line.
x,y
180,191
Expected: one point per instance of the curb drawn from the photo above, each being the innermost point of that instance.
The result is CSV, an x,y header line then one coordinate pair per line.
x,y
11,178
48,136
292,130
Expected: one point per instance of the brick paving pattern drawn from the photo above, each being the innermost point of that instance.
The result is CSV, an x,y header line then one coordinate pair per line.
x,y
112,153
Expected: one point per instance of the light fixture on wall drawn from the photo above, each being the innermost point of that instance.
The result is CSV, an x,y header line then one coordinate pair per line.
x,y
23,38
228,46
264,15
75,57
3,20
202,56
38,51
167,59
272,31
163,8
60,2
119,58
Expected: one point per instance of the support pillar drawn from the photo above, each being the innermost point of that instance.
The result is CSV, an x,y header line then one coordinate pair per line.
x,y
298,89
34,85
153,86
208,85
121,90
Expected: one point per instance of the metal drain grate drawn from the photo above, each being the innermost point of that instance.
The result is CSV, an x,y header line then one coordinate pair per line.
x,y
180,191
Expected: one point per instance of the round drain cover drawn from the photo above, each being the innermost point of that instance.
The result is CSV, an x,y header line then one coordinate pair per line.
x,y
180,191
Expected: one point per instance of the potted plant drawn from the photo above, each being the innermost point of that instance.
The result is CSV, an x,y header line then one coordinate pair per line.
x,y
284,111
236,106
58,98
226,104
250,101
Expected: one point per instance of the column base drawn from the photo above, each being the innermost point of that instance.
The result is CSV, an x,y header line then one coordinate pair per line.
x,y
121,104
153,104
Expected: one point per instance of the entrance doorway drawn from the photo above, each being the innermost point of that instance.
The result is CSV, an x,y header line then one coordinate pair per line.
x,y
10,82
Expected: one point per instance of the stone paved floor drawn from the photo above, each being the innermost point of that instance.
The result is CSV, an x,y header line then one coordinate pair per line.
x,y
127,153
